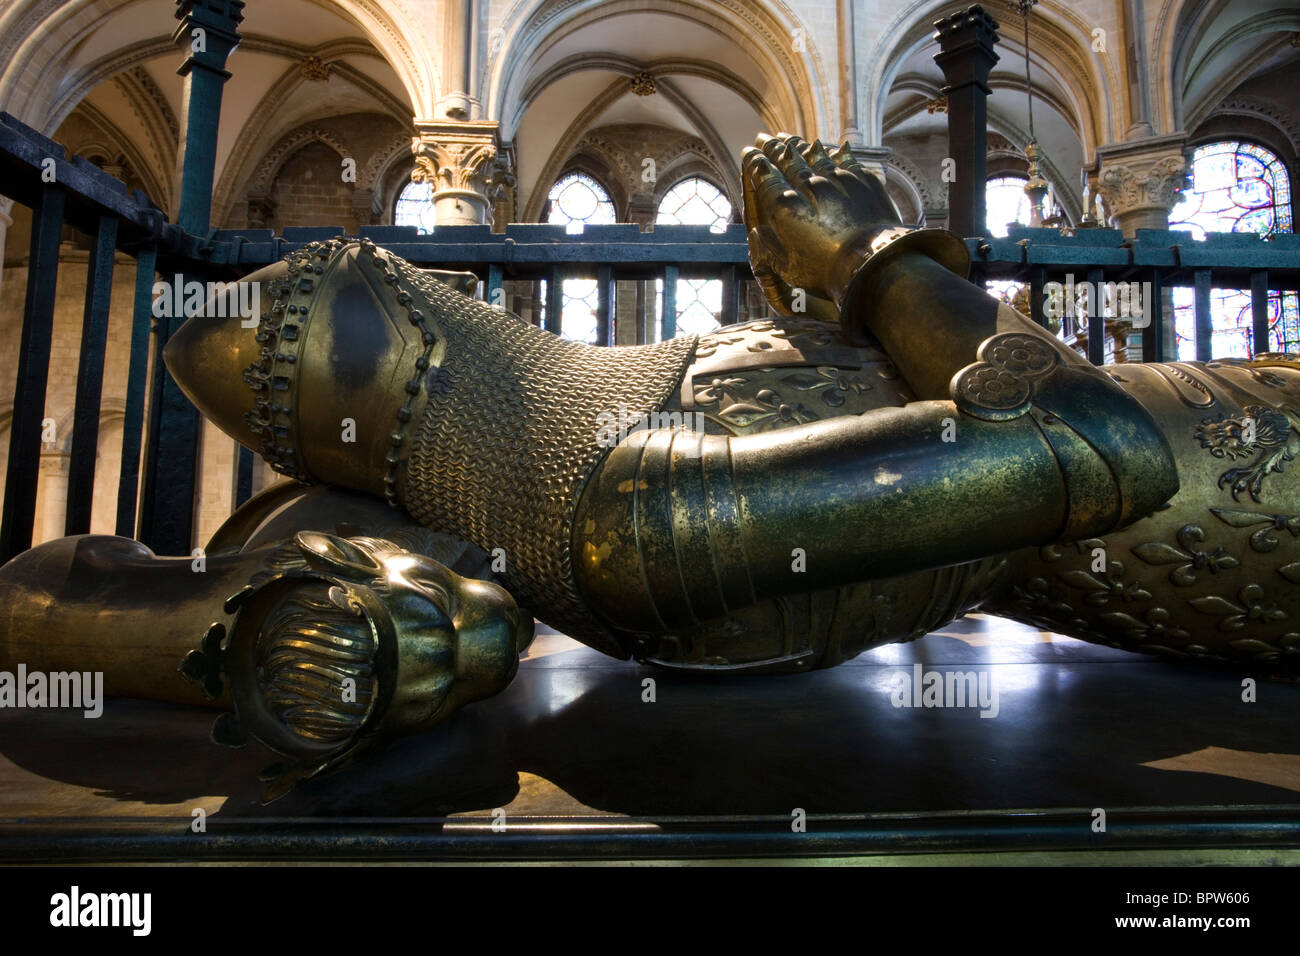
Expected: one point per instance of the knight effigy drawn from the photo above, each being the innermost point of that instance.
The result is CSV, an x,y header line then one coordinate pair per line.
x,y
895,449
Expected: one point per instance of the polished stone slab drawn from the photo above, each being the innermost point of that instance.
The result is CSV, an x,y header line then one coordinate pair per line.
x,y
1077,727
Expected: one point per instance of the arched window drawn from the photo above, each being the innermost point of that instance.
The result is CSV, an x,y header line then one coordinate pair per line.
x,y
1005,202
415,207
577,200
1236,187
694,202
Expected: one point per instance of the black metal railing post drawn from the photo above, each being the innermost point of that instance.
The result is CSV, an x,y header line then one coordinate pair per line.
x,y
1203,283
24,465
604,305
966,56
668,322
90,378
555,300
1096,318
209,31
1259,311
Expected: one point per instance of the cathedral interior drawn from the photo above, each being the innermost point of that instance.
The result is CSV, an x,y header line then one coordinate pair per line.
x,y
584,159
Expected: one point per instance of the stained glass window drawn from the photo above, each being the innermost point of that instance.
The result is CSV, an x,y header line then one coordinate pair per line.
x,y
577,200
695,202
1236,187
415,207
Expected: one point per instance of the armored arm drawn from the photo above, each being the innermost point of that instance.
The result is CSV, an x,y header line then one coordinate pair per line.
x,y
1017,441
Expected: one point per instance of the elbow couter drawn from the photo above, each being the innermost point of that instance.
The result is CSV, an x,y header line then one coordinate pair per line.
x,y
1116,461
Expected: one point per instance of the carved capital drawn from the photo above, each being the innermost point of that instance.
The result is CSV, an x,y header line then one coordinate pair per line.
x,y
455,155
1142,179
464,164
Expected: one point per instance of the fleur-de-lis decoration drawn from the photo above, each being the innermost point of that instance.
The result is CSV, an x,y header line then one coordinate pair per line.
x,y
1154,628
717,389
1187,556
1101,588
805,335
1263,540
832,382
1233,617
1037,596
711,343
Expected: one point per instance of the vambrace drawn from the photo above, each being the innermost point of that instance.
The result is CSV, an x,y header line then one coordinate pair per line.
x,y
678,528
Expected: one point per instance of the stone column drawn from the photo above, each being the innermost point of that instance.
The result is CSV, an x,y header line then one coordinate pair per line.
x,y
458,37
1136,70
641,210
1140,181
261,210
966,56
463,162
363,207
847,30
52,494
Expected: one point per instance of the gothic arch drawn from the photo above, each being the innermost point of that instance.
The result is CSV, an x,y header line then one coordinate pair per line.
x,y
1058,42
1286,124
38,35
532,25
115,143
604,176
583,123
918,182
628,67
382,159
239,165
1180,30
286,146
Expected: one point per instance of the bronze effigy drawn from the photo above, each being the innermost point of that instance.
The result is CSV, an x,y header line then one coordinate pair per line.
x,y
895,449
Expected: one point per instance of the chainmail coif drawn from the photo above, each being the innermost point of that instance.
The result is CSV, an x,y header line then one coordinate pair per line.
x,y
509,438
